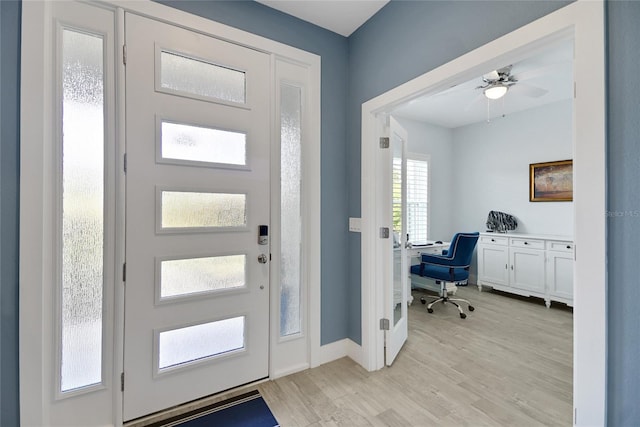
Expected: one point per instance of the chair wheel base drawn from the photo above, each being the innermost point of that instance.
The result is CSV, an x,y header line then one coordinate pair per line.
x,y
471,308
430,310
422,300
463,316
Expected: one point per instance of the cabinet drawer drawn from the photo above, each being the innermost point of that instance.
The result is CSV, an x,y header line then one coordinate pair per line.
x,y
553,245
527,243
494,240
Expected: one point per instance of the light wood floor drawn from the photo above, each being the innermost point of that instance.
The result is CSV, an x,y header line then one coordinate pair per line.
x,y
509,363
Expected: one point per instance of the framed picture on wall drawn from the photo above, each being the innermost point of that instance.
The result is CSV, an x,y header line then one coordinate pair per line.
x,y
551,181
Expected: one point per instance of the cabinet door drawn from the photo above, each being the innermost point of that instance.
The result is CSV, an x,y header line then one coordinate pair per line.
x,y
560,275
492,264
527,270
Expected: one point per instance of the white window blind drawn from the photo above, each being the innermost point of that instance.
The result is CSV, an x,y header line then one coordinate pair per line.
x,y
397,195
417,197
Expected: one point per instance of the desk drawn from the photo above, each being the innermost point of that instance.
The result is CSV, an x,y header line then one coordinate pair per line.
x,y
413,255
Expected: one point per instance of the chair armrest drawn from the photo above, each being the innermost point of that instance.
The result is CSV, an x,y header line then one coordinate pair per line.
x,y
430,259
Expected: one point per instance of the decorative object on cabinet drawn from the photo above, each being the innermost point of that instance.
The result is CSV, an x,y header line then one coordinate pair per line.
x,y
450,267
551,181
501,222
528,265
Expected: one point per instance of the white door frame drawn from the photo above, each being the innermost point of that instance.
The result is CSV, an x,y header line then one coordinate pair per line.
x,y
584,22
37,109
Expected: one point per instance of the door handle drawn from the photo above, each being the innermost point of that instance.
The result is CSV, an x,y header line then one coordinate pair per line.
x,y
262,259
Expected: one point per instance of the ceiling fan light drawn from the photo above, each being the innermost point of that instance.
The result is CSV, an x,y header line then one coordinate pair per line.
x,y
496,91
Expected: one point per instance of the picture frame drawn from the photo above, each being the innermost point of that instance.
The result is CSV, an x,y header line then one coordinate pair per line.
x,y
551,181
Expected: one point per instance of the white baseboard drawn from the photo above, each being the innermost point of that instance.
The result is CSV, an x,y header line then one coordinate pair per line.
x,y
339,349
290,370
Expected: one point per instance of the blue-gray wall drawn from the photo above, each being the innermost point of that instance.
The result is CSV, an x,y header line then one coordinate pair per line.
x,y
9,172
623,227
405,40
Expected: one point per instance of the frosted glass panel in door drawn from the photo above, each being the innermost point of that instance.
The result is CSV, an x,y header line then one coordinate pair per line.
x,y
291,220
183,74
184,209
194,343
182,277
202,144
82,209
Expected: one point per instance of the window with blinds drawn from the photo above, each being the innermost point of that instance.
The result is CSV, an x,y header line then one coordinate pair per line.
x,y
417,197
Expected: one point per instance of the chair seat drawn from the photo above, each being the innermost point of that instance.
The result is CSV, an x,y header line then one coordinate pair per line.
x,y
440,273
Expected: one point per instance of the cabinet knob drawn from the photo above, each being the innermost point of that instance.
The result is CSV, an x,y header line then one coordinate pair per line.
x,y
568,246
493,240
526,243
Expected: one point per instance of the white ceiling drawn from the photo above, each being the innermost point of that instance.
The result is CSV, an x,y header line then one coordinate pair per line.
x,y
340,16
551,70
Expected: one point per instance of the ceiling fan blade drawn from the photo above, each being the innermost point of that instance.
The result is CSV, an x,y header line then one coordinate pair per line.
x,y
528,90
493,75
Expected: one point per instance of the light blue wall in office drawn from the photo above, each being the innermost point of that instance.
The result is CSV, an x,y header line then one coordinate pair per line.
x,y
402,41
332,48
623,174
9,171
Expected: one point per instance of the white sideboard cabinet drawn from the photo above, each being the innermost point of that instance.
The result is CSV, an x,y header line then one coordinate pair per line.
x,y
528,265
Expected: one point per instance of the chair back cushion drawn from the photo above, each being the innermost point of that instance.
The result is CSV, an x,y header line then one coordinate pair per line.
x,y
462,246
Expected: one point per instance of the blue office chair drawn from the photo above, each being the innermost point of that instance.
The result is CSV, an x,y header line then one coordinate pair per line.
x,y
450,267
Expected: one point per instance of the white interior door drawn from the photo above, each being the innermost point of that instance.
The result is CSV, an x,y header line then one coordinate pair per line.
x,y
396,290
197,191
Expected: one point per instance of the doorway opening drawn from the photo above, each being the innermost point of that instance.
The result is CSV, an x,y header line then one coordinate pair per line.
x,y
583,23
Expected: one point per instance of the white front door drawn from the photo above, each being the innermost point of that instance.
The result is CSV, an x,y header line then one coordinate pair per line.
x,y
197,192
396,290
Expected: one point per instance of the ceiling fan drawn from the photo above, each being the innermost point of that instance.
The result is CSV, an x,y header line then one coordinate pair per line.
x,y
498,82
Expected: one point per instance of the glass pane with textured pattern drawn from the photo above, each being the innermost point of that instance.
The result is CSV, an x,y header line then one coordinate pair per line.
x,y
182,277
193,343
184,209
290,208
202,144
82,209
184,74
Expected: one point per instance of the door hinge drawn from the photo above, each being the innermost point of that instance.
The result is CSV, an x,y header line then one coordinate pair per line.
x,y
384,142
125,162
384,232
124,272
122,381
384,324
124,54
